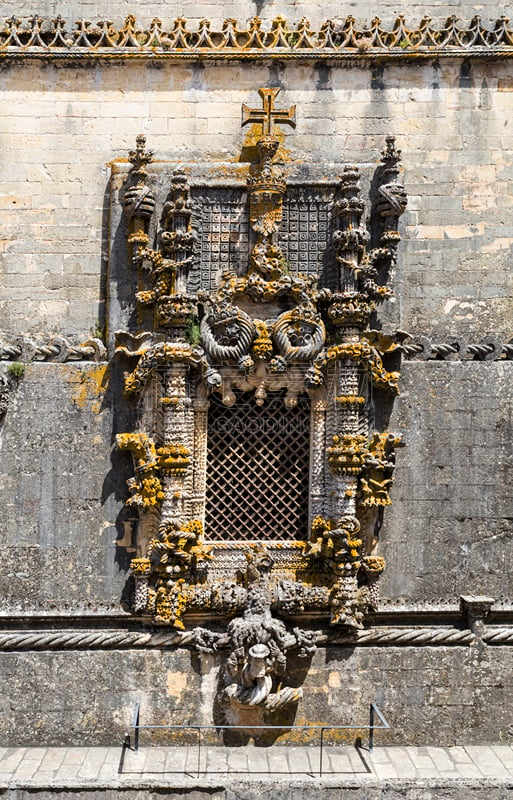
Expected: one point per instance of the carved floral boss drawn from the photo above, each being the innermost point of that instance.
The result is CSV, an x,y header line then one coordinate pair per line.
x,y
265,331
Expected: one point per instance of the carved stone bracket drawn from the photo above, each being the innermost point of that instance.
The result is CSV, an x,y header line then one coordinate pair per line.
x,y
475,610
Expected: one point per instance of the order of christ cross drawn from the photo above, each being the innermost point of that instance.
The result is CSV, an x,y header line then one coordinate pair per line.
x,y
269,116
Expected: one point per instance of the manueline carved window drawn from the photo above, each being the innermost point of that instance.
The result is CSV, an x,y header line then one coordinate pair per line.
x,y
259,476
257,469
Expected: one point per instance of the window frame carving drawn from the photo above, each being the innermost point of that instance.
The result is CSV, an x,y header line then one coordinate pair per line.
x,y
267,330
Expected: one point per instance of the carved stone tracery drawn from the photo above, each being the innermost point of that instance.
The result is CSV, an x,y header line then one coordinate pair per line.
x,y
266,331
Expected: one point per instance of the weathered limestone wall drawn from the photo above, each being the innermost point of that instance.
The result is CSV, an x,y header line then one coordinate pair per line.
x,y
449,530
62,127
65,539
450,695
58,524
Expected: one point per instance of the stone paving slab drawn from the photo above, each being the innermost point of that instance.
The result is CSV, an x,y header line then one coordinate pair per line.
x,y
54,768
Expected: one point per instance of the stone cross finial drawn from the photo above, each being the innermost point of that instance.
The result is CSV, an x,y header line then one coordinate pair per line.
x,y
268,116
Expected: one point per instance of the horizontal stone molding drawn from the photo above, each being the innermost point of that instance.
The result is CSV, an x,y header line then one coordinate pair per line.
x,y
122,639
498,636
35,37
57,349
489,349
72,640
413,637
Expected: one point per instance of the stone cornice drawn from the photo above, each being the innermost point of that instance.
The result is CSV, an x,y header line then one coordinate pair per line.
x,y
56,349
419,348
335,40
121,638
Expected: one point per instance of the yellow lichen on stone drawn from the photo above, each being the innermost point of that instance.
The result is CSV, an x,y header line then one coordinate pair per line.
x,y
89,386
140,566
145,487
174,459
252,136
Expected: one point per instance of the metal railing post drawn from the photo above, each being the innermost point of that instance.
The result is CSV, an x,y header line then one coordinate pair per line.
x,y
199,750
371,728
136,727
320,753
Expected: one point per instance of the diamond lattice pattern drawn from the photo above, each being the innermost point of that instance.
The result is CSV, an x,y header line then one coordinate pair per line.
x,y
257,469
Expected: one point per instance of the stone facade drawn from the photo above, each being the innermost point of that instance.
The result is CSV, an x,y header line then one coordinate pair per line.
x,y
59,151
66,538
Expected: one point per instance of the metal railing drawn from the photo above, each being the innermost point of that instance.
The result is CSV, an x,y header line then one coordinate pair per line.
x,y
371,726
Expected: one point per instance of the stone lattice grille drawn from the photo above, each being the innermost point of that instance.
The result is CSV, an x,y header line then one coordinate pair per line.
x,y
257,469
305,232
224,238
223,225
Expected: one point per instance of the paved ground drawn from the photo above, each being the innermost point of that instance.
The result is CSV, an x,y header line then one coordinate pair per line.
x,y
111,767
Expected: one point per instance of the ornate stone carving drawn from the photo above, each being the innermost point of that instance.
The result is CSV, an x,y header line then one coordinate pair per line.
x,y
158,356
139,201
227,333
146,487
168,266
4,396
299,334
57,349
259,644
35,37
267,331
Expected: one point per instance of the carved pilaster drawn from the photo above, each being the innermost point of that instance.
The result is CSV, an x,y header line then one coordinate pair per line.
x,y
198,495
318,491
176,453
392,196
168,266
475,609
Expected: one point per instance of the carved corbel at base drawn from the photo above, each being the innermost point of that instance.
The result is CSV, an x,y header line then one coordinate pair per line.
x,y
475,609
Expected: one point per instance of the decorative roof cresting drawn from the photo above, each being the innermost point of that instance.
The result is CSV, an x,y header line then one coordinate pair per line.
x,y
36,37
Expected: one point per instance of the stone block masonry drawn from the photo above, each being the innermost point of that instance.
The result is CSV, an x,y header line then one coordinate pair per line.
x,y
251,772
87,697
73,662
453,265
